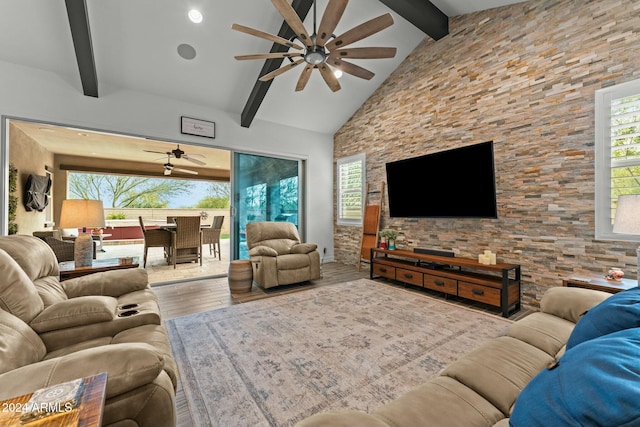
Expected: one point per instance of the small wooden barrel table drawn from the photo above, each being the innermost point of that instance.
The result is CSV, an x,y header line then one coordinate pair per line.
x,y
240,276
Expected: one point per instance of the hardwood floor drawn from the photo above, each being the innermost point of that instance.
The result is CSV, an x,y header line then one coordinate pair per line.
x,y
181,299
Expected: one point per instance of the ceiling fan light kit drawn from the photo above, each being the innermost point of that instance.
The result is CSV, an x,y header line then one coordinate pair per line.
x,y
177,153
322,47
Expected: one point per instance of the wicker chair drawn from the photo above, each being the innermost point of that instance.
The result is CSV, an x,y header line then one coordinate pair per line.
x,y
155,238
62,248
211,236
186,241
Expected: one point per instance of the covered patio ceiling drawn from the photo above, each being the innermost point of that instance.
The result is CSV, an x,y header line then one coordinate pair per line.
x,y
94,151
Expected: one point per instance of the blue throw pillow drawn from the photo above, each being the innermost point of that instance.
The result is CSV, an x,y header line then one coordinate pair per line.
x,y
596,383
619,311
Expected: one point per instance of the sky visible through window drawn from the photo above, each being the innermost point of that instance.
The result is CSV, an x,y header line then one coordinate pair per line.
x,y
198,192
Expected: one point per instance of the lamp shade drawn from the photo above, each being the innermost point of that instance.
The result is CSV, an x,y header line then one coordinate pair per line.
x,y
80,213
627,219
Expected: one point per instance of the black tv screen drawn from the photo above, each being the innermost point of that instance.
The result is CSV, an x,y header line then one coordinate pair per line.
x,y
457,183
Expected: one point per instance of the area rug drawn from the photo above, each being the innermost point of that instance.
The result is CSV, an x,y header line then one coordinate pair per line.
x,y
355,345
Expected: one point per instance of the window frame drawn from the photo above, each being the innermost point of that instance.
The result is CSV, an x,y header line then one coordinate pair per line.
x,y
603,167
340,220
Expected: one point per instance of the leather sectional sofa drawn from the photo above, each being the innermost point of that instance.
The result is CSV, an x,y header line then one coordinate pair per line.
x,y
529,375
52,332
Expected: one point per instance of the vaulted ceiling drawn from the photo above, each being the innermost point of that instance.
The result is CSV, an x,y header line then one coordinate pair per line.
x,y
100,47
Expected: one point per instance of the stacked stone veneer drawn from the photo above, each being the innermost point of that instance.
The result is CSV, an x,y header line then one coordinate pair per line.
x,y
523,76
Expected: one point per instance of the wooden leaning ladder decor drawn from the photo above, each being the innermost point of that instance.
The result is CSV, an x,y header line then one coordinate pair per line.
x,y
370,226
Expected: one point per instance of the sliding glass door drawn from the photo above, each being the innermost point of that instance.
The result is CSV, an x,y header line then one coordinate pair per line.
x,y
264,189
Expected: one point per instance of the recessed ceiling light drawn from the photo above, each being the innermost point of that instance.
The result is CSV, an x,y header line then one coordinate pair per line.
x,y
47,130
337,73
82,134
186,51
195,16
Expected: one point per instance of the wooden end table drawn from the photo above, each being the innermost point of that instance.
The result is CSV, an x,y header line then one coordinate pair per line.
x,y
68,269
598,283
87,414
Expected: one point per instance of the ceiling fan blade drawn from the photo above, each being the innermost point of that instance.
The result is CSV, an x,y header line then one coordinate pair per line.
x,y
289,14
266,36
268,55
304,77
280,70
350,68
361,31
330,19
329,78
192,160
156,152
365,53
185,171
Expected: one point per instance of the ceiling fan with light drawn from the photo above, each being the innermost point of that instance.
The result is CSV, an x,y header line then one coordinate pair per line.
x,y
168,168
322,48
177,153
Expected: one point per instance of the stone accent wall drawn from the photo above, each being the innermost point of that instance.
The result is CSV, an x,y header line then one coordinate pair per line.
x,y
523,76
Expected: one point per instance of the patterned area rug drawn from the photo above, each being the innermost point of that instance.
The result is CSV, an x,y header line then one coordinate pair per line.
x,y
354,345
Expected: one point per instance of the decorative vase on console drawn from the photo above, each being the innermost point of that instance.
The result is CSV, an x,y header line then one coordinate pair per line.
x,y
390,236
383,242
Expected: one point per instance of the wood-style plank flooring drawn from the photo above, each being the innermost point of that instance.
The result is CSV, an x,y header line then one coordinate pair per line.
x,y
181,299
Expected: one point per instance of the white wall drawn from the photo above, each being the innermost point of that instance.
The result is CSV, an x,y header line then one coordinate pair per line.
x,y
29,93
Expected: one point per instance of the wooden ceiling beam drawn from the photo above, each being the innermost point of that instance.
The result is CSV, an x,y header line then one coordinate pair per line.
x,y
423,14
81,35
260,88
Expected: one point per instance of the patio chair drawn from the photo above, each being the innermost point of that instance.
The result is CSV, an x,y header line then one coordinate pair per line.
x,y
186,241
155,238
211,236
62,248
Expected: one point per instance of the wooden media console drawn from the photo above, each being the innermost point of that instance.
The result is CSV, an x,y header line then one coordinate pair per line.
x,y
497,285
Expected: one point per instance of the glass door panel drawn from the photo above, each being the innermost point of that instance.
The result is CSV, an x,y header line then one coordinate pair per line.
x,y
264,189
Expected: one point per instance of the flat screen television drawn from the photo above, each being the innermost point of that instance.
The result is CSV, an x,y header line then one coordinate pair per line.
x,y
456,183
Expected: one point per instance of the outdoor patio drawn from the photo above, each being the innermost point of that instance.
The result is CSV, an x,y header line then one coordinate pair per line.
x,y
157,266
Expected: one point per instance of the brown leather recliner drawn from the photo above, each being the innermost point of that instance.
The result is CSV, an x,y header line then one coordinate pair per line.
x,y
277,255
53,332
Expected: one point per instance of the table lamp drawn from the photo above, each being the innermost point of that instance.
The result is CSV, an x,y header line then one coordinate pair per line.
x,y
627,219
80,213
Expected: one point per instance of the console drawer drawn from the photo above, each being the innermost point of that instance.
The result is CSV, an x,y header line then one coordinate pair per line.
x,y
408,276
479,293
384,271
442,284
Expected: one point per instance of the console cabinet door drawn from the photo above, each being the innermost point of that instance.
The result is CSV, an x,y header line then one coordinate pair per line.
x,y
479,293
442,284
384,271
408,276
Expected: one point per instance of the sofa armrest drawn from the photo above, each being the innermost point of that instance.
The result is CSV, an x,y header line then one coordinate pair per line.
x,y
112,283
79,311
128,366
344,418
263,251
303,248
570,303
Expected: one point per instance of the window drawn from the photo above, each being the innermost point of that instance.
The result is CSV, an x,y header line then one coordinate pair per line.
x,y
351,174
617,153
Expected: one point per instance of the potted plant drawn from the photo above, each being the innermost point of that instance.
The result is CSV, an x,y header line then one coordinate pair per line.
x,y
390,236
